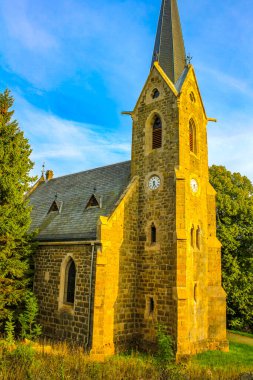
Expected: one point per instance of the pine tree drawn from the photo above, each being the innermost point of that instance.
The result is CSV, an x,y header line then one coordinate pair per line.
x,y
15,243
235,231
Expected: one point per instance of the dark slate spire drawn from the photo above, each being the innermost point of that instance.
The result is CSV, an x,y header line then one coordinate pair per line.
x,y
169,48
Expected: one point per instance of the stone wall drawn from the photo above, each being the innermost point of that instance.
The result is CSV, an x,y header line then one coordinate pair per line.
x,y
114,312
59,321
203,306
156,270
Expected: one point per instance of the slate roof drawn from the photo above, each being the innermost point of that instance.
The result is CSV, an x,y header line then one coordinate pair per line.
x,y
181,79
169,48
74,221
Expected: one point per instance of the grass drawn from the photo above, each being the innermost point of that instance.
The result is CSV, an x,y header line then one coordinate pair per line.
x,y
241,333
62,363
224,365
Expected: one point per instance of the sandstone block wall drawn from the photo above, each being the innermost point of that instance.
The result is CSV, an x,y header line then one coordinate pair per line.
x,y
156,268
63,322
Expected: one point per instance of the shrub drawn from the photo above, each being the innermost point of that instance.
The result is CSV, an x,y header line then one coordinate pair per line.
x,y
23,354
29,328
9,330
165,353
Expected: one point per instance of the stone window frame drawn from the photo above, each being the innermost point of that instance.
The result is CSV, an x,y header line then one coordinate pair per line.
x,y
198,237
195,292
70,266
149,132
62,304
155,94
153,232
157,132
150,315
192,96
192,236
149,244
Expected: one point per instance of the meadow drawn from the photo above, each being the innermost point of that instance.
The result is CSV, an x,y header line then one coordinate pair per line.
x,y
60,362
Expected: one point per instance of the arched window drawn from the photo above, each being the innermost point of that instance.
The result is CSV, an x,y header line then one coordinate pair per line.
x,y
155,93
151,305
192,97
153,234
157,133
198,238
195,292
192,136
192,236
70,282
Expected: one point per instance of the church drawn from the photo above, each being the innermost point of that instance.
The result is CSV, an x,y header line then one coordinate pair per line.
x,y
125,248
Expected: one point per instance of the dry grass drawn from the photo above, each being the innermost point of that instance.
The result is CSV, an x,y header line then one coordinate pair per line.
x,y
44,362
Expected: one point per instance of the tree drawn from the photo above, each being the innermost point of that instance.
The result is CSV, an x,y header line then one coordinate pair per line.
x,y
235,231
15,242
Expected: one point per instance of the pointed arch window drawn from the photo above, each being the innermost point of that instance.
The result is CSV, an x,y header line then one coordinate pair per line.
x,y
70,282
192,236
198,238
195,292
153,234
192,97
192,137
157,133
155,93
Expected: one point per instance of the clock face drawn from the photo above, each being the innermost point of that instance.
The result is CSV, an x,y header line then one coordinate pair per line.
x,y
194,185
154,182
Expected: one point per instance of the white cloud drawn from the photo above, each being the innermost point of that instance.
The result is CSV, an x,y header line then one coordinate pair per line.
x,y
231,145
67,146
24,28
231,81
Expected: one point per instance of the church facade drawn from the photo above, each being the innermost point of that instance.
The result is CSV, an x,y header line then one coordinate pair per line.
x,y
125,248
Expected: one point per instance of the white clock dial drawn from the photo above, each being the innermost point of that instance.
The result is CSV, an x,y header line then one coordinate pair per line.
x,y
154,182
194,185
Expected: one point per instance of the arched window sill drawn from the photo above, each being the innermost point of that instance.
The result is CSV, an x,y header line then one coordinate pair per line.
x,y
194,155
67,308
152,246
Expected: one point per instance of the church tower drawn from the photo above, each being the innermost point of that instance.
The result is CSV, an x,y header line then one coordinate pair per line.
x,y
178,255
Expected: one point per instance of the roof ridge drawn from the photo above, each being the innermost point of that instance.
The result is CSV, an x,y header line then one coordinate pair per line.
x,y
91,170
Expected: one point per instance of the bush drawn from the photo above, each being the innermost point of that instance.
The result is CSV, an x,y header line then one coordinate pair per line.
x,y
9,330
23,354
165,353
29,328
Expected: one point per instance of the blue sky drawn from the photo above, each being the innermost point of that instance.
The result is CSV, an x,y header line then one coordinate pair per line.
x,y
74,65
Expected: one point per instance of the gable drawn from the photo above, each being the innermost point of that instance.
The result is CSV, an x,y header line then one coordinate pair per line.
x,y
188,85
157,79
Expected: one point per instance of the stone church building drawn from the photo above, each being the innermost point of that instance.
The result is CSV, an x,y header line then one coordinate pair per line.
x,y
125,247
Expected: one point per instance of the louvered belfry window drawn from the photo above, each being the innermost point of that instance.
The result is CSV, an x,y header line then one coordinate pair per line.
x,y
70,282
157,133
192,136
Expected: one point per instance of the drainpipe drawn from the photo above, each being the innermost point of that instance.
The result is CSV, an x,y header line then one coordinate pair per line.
x,y
88,342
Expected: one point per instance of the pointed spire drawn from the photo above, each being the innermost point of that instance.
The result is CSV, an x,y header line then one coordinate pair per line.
x,y
169,48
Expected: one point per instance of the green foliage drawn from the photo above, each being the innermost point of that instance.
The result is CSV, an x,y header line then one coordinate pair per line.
x,y
235,231
165,353
71,363
241,333
9,330
29,328
15,243
24,354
